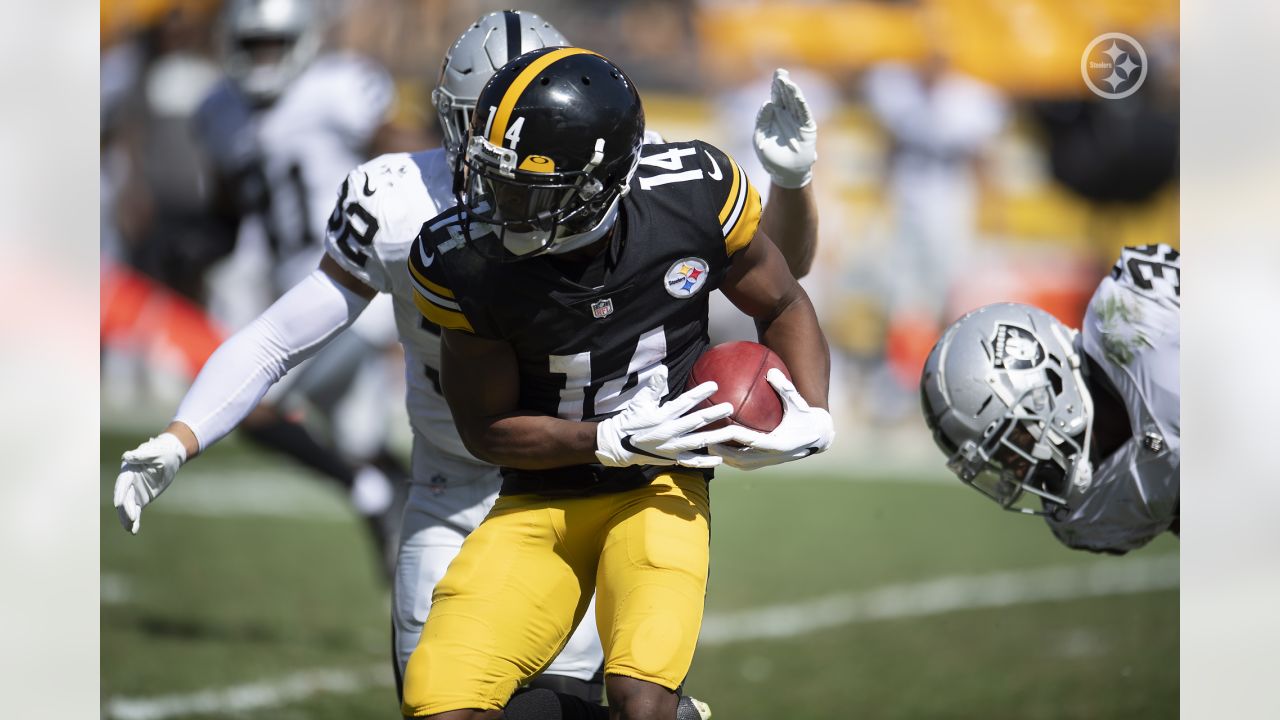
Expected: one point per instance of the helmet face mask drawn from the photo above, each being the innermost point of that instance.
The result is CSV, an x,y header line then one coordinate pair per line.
x,y
1003,393
546,174
266,44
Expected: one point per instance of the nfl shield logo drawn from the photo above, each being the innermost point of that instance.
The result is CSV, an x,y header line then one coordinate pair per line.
x,y
602,308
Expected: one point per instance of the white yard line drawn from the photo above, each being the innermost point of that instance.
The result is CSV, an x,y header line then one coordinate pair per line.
x,y
930,597
943,595
251,696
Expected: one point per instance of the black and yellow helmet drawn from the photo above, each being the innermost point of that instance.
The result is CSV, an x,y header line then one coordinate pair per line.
x,y
553,143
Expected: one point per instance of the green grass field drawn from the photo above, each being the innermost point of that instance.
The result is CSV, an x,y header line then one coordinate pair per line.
x,y
251,592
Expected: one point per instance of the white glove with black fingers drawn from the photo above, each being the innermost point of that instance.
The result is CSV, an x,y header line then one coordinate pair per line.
x,y
651,432
804,431
786,135
145,472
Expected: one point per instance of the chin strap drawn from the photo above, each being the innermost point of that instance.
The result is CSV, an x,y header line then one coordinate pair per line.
x,y
569,243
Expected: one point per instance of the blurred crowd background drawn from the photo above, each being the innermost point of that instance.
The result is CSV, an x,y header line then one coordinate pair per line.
x,y
962,159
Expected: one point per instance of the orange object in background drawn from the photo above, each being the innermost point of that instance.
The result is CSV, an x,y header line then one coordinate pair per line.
x,y
140,315
907,343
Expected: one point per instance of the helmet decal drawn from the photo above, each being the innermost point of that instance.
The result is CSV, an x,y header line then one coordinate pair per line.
x,y
1016,349
538,164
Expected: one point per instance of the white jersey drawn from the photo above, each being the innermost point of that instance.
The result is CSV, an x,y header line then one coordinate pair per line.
x,y
1131,330
295,151
381,208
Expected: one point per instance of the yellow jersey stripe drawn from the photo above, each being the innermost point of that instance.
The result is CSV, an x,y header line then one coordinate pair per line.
x,y
739,234
422,280
516,89
447,319
730,201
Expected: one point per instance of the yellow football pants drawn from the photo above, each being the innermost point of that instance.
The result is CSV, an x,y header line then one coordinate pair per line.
x,y
523,579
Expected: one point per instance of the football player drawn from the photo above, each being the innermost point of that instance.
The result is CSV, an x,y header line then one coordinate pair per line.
x,y
283,129
1079,427
571,286
381,208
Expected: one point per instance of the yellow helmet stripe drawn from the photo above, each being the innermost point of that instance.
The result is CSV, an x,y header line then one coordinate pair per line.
x,y
526,76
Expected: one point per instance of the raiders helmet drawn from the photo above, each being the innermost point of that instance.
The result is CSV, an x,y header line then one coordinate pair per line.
x,y
265,44
1003,393
553,144
486,46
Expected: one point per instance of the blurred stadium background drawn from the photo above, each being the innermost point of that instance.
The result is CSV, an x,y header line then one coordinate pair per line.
x,y
863,583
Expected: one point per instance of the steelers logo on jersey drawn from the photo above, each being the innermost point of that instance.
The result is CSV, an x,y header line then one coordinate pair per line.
x,y
1016,349
685,277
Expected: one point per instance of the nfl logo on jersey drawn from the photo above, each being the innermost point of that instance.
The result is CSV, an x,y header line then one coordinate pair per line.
x,y
602,308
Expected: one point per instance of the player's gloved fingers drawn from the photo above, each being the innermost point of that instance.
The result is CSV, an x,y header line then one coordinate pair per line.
x,y
690,398
130,510
654,389
764,122
699,440
786,389
126,522
698,460
123,482
697,419
735,457
780,76
797,106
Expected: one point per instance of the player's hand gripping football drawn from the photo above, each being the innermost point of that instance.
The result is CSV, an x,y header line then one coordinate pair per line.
x,y
145,472
786,135
651,432
804,431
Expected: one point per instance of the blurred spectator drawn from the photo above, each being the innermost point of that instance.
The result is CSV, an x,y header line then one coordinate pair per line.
x,y
157,183
939,122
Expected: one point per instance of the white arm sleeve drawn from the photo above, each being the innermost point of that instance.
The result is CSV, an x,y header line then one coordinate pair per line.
x,y
243,368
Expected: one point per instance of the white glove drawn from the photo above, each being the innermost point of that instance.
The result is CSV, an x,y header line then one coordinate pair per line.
x,y
145,472
804,431
649,433
786,136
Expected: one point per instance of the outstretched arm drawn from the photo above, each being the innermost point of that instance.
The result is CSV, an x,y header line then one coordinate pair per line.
x,y
235,378
786,138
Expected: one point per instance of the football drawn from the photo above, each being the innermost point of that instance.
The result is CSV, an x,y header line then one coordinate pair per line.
x,y
739,370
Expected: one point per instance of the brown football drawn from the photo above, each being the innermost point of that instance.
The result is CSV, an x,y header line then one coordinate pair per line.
x,y
739,370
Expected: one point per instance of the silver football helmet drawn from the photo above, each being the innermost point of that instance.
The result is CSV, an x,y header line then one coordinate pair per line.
x,y
265,44
477,54
1004,394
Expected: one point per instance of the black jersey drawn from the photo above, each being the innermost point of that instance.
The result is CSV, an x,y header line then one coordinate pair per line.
x,y
587,337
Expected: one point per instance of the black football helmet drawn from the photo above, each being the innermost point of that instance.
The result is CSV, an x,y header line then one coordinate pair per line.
x,y
552,147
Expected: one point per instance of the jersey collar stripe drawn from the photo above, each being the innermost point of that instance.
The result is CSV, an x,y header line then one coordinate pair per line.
x,y
422,280
730,201
516,89
448,319
740,185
